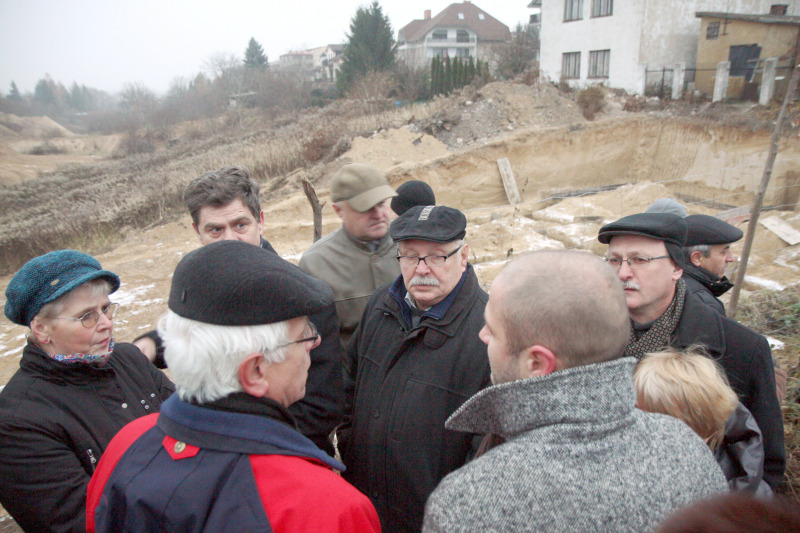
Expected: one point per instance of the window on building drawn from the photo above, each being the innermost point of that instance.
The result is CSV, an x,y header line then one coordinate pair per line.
x,y
461,16
598,63
462,53
744,59
571,65
480,16
602,8
438,52
573,9
712,30
439,35
462,36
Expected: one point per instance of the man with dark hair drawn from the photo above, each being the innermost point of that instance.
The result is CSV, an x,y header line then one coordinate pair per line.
x,y
358,257
225,206
413,361
576,453
707,254
646,250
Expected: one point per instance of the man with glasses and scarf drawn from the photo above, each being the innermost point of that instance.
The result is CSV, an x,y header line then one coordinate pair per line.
x,y
646,250
413,360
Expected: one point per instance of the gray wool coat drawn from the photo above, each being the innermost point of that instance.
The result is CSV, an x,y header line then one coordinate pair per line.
x,y
579,457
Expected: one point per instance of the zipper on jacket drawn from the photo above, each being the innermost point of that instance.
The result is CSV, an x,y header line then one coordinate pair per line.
x,y
91,458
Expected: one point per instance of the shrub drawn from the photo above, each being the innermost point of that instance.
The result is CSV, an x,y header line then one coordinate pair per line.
x,y
132,144
590,100
46,149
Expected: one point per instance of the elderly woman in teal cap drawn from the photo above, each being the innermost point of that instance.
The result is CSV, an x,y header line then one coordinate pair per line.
x,y
73,391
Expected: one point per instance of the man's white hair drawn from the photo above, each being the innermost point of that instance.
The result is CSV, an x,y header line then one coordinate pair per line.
x,y
204,358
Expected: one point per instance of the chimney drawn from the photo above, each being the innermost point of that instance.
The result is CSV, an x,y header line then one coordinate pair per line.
x,y
778,9
427,14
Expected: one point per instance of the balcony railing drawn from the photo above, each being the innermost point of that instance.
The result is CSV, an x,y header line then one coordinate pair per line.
x,y
452,40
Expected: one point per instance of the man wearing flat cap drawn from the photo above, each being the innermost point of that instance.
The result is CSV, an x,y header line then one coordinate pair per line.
x,y
646,250
224,453
707,254
413,360
358,257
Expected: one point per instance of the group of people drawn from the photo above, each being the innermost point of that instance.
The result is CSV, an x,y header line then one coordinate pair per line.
x,y
377,386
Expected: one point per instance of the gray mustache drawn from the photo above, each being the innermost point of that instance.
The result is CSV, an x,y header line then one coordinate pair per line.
x,y
423,280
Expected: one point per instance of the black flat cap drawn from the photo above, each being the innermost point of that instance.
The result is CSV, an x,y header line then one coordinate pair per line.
x,y
232,283
410,194
705,229
435,223
665,227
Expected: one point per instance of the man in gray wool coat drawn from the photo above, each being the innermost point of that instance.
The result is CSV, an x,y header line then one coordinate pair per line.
x,y
576,455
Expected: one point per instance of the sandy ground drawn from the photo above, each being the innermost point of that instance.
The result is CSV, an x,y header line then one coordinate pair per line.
x,y
551,149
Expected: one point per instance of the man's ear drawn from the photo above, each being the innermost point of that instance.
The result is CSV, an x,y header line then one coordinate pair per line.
x,y
197,232
697,258
538,360
464,255
252,375
677,272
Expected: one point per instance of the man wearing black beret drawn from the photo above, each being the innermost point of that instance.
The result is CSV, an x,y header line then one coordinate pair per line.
x,y
646,250
707,254
225,453
413,360
224,205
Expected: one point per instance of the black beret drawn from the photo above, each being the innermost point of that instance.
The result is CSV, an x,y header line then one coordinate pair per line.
x,y
665,227
705,229
435,223
410,194
232,283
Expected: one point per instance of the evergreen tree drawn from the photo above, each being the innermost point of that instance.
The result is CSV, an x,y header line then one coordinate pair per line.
x,y
369,47
14,93
448,76
254,55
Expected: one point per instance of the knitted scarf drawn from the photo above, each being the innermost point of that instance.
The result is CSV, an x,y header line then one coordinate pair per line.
x,y
658,335
98,359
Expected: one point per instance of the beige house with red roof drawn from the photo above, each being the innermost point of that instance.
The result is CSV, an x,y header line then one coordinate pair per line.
x,y
461,30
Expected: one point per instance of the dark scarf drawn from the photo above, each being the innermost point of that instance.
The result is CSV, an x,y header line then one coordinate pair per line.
x,y
241,402
659,333
717,285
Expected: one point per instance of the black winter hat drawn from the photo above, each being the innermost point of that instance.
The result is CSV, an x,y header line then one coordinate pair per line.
x,y
705,229
410,194
665,227
435,223
232,283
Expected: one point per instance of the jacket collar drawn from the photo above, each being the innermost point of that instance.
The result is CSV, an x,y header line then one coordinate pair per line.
x,y
699,324
465,292
398,291
715,284
262,432
594,394
384,243
35,360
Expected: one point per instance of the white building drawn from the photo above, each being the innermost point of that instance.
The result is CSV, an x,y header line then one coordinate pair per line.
x,y
585,42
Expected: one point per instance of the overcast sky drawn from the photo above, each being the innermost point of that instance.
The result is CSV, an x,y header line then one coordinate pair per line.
x,y
106,43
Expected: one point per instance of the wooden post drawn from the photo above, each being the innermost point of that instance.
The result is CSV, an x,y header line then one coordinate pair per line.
x,y
762,189
509,183
316,207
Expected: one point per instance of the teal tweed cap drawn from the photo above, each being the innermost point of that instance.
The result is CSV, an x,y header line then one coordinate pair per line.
x,y
48,277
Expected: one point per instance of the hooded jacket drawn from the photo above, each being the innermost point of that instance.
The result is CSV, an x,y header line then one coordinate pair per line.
x,y
56,420
236,466
578,456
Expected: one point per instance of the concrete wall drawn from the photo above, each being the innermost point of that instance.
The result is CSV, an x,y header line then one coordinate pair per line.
x,y
640,34
774,40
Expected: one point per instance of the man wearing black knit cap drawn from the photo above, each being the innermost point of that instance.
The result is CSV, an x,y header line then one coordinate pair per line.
x,y
225,453
413,360
646,250
707,254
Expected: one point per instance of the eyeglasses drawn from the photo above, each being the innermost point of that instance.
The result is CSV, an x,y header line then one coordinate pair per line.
x,y
90,319
633,262
310,335
430,260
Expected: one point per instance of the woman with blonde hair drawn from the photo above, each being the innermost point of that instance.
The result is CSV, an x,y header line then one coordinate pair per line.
x,y
691,387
